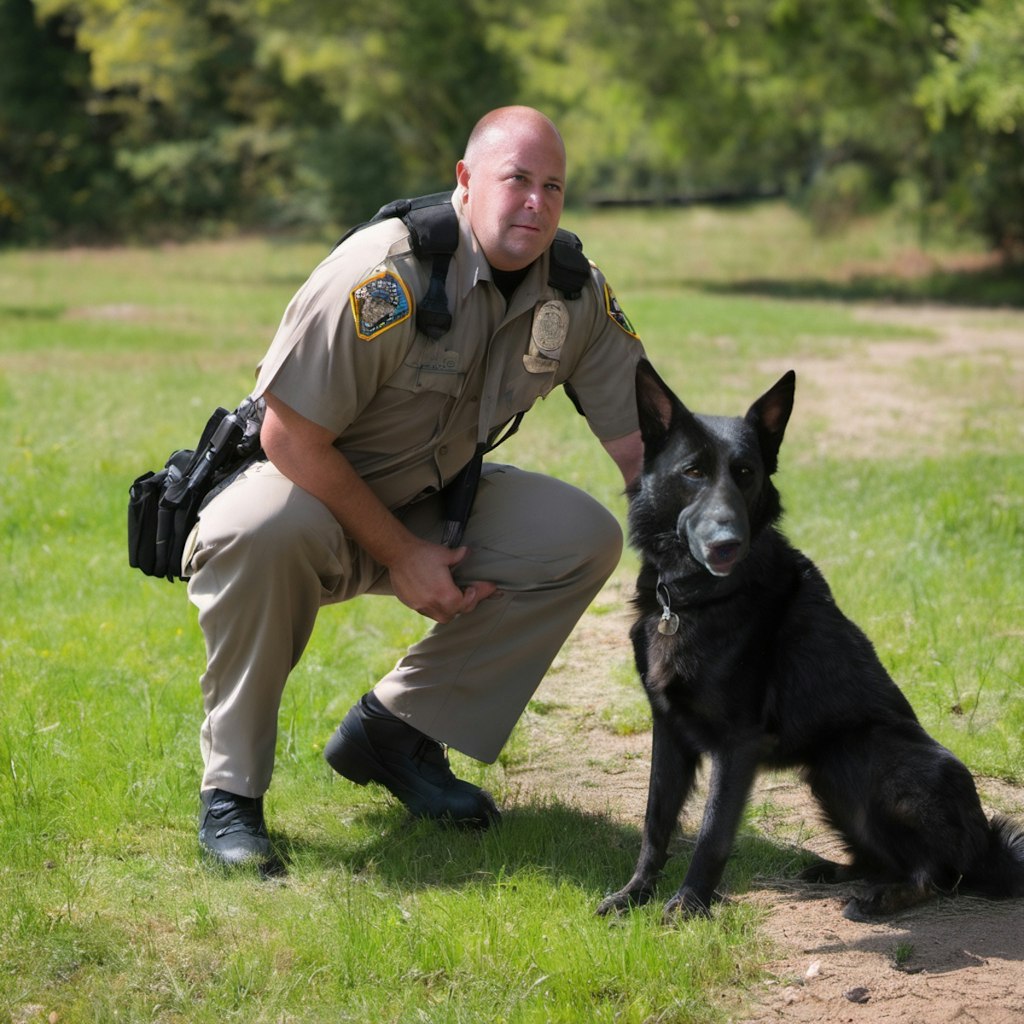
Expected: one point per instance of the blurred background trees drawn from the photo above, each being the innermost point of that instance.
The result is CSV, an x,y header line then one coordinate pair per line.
x,y
155,118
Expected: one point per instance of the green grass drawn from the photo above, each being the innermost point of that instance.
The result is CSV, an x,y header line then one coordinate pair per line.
x,y
109,359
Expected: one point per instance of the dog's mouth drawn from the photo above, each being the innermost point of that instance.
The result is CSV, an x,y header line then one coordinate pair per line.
x,y
721,559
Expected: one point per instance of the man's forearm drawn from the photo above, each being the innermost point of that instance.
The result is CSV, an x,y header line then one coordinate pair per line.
x,y
305,453
628,454
420,571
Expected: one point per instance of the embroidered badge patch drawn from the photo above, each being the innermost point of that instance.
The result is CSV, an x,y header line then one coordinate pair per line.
x,y
615,311
378,304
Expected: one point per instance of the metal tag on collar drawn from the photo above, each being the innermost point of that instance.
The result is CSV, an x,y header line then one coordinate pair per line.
x,y
669,622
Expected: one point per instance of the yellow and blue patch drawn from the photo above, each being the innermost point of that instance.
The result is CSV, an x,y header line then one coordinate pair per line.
x,y
616,313
378,304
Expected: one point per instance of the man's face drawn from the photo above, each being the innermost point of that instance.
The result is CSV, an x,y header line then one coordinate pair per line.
x,y
513,188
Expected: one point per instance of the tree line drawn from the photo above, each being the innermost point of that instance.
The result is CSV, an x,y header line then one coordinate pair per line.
x,y
143,118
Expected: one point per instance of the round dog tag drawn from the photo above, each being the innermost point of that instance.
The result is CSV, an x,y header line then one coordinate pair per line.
x,y
669,623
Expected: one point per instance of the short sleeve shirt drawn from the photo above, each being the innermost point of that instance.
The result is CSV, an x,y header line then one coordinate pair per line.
x,y
408,410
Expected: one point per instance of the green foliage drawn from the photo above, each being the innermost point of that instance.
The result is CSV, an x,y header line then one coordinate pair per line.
x,y
201,127
405,81
56,171
249,114
981,68
152,118
974,98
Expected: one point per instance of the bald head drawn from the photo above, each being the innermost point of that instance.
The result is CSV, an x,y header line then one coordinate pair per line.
x,y
512,185
496,127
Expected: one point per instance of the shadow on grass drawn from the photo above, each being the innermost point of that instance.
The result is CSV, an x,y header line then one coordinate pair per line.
x,y
586,849
595,853
43,312
589,849
1001,285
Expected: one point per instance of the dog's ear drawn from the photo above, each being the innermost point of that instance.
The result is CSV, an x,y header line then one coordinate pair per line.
x,y
656,405
769,416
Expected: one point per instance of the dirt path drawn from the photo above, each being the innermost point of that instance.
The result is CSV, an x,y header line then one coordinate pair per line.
x,y
953,961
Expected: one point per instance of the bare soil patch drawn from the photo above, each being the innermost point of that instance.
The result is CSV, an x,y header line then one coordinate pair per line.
x,y
956,960
877,398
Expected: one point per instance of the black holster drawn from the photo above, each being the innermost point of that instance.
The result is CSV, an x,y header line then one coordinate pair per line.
x,y
163,507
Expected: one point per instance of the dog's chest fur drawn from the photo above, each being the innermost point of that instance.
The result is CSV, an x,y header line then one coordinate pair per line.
x,y
721,672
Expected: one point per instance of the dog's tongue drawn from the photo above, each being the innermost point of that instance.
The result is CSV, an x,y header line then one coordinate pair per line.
x,y
722,558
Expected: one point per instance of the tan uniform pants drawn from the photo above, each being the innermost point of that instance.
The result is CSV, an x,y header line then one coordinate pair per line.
x,y
267,556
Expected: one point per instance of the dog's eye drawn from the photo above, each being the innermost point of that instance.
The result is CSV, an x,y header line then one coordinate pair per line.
x,y
693,472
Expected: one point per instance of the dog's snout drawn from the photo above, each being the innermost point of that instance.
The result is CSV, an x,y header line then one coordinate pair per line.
x,y
729,513
716,530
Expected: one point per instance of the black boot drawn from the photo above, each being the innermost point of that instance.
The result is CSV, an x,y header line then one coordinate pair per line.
x,y
232,830
373,745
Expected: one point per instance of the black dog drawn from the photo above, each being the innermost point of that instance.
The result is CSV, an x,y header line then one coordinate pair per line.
x,y
746,658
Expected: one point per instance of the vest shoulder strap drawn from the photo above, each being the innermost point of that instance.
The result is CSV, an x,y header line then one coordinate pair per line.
x,y
569,269
434,234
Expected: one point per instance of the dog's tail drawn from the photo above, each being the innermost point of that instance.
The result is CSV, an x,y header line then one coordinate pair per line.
x,y
1001,873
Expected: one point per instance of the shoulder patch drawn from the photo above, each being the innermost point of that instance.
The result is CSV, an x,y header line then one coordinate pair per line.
x,y
378,304
615,312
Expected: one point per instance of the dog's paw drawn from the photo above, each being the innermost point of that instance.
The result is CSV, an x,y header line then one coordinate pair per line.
x,y
885,900
860,910
684,905
623,900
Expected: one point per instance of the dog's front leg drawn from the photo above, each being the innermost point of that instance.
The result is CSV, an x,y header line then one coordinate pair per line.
x,y
732,775
673,767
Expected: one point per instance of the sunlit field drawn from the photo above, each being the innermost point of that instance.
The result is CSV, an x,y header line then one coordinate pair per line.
x,y
110,359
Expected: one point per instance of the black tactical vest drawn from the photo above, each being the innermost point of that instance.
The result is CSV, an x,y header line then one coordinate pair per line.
x,y
434,235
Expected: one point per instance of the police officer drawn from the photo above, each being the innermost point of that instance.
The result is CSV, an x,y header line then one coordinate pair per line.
x,y
367,418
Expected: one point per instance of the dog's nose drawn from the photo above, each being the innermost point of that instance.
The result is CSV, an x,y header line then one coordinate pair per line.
x,y
725,515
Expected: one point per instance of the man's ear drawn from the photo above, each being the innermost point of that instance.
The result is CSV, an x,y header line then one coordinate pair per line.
x,y
462,177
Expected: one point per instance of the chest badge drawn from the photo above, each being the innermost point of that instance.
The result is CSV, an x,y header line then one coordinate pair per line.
x,y
547,336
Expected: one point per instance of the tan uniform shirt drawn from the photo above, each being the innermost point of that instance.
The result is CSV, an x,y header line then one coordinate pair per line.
x,y
408,410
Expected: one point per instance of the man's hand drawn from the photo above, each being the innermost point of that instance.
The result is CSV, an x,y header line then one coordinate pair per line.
x,y
422,579
420,571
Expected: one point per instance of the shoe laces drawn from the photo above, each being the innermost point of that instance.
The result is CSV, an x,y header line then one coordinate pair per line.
x,y
236,814
433,756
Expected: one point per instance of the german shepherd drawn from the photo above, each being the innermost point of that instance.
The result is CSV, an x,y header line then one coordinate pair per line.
x,y
746,658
